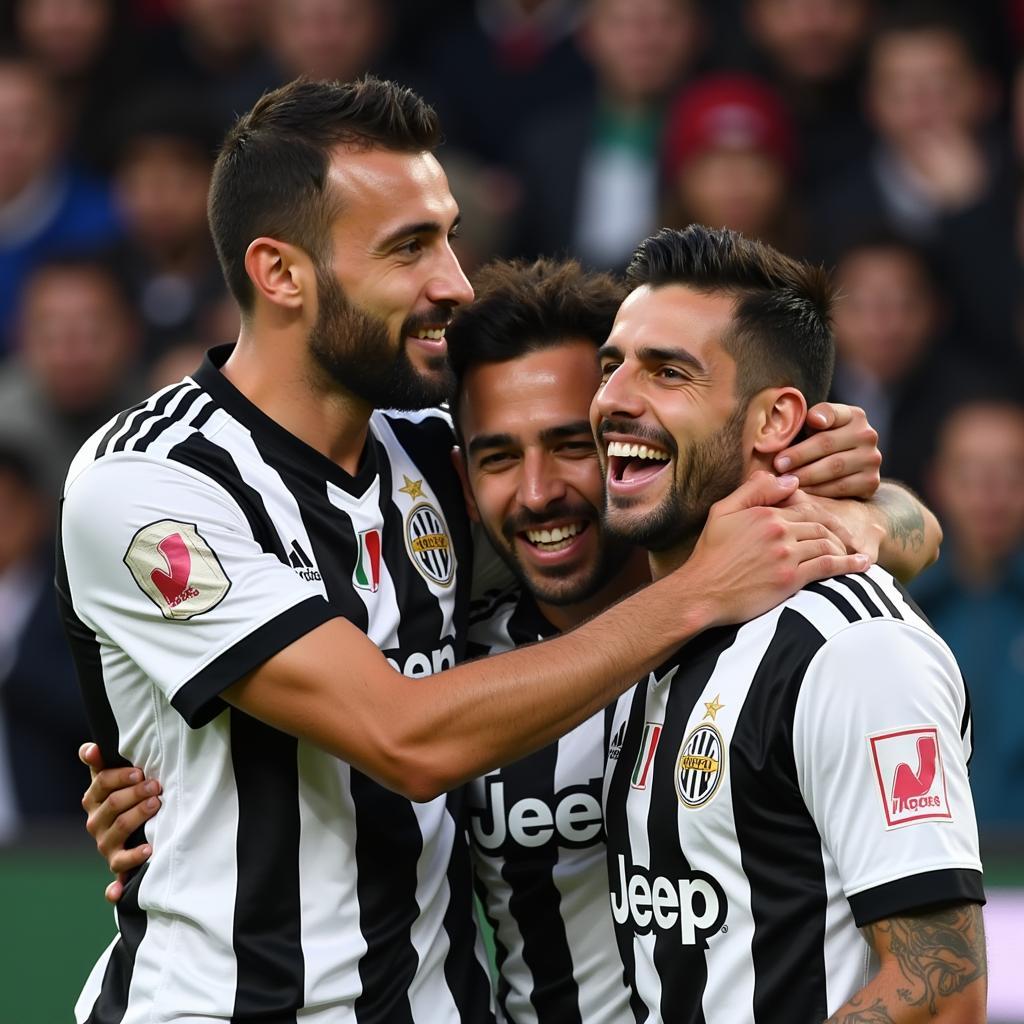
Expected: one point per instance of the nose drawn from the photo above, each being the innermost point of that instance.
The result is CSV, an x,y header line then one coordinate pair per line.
x,y
619,396
539,484
449,285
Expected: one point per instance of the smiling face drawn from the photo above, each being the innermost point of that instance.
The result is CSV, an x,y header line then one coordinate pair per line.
x,y
533,473
388,294
670,427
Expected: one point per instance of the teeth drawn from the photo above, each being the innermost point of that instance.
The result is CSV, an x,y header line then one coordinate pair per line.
x,y
432,334
555,536
636,451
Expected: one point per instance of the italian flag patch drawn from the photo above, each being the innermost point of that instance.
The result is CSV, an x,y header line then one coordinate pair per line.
x,y
366,575
644,760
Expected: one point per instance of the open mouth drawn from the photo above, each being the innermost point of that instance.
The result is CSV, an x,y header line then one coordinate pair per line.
x,y
554,541
430,338
634,465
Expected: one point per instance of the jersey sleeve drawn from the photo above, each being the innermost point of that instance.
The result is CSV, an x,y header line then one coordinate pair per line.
x,y
878,737
163,565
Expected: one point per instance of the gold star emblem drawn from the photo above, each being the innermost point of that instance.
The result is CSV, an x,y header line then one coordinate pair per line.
x,y
713,707
414,488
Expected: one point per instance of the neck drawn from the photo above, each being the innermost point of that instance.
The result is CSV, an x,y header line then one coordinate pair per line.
x,y
664,562
633,574
288,390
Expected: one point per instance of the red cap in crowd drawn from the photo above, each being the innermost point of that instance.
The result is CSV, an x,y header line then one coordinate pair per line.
x,y
730,111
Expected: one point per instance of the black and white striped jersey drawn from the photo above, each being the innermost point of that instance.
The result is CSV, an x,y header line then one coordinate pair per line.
x,y
773,787
538,846
198,538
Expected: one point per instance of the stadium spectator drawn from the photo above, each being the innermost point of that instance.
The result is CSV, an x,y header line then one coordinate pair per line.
x,y
47,207
729,156
167,142
490,66
73,367
974,595
812,50
937,174
590,163
891,359
214,47
328,40
82,48
40,705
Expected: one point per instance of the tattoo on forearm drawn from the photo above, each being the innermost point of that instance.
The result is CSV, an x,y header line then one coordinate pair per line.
x,y
906,521
876,1013
939,953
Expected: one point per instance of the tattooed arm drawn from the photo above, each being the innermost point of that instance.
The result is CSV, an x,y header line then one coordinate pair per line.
x,y
933,967
912,533
893,528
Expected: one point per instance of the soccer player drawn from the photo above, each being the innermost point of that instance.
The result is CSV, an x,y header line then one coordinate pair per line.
x,y
775,786
524,356
252,561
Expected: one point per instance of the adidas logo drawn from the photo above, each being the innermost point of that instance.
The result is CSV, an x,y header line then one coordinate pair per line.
x,y
615,747
301,563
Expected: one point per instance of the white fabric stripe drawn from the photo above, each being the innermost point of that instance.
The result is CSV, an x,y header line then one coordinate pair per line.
x,y
91,990
843,945
853,598
129,425
729,994
332,943
581,877
429,995
185,963
638,812
144,427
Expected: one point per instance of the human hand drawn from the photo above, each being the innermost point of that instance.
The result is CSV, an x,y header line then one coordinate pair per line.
x,y
841,460
751,556
853,521
117,802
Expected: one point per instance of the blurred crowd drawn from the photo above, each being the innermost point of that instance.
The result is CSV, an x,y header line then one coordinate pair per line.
x,y
883,138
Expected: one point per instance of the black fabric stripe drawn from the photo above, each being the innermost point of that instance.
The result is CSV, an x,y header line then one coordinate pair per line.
x,y
267,935
883,597
160,425
118,423
534,899
112,1002
468,982
501,951
779,843
617,829
917,892
683,969
202,417
215,462
905,594
844,606
855,587
198,700
143,415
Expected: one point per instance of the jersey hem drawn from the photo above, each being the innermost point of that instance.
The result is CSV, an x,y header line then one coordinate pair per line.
x,y
949,885
198,700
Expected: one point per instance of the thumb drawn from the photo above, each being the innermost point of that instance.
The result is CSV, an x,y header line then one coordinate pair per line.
x,y
89,754
762,488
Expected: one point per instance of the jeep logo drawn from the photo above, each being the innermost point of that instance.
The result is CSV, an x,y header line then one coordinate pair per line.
x,y
695,905
574,821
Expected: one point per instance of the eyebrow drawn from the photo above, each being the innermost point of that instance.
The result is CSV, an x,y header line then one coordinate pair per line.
x,y
651,354
483,442
423,227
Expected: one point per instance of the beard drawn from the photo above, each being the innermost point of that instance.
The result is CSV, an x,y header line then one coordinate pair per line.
x,y
558,585
714,469
354,350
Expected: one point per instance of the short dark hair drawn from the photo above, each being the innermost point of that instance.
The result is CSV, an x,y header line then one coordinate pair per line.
x,y
914,16
523,306
271,175
782,329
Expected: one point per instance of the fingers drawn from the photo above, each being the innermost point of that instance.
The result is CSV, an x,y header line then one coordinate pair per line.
x,y
89,754
762,488
826,415
107,782
117,818
825,565
115,890
858,485
127,860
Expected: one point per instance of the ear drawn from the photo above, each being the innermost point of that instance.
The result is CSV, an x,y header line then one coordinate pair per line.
x,y
459,462
282,273
778,415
